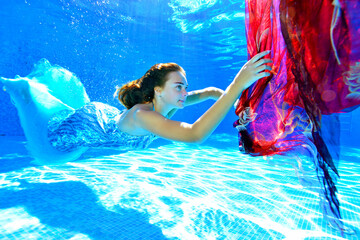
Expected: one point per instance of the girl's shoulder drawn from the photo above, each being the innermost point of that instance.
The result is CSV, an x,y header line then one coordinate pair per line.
x,y
143,106
135,108
126,122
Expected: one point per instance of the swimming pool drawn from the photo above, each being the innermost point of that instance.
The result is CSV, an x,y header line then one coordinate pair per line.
x,y
169,191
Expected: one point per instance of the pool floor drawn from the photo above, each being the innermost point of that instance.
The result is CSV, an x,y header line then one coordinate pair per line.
x,y
168,191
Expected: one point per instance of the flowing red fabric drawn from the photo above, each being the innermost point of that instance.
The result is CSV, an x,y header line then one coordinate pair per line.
x,y
315,49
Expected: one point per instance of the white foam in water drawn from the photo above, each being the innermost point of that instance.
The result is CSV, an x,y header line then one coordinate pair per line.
x,y
174,191
46,90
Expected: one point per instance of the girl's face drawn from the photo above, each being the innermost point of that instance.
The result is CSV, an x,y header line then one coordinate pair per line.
x,y
174,92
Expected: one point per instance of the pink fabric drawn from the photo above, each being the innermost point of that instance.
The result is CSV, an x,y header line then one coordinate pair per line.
x,y
315,49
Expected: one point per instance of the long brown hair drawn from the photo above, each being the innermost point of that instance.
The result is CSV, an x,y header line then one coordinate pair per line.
x,y
142,89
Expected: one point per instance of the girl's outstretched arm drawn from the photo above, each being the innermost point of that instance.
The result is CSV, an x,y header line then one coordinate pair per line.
x,y
199,96
154,122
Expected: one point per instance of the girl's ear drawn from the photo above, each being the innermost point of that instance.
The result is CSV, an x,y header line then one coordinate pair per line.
x,y
157,90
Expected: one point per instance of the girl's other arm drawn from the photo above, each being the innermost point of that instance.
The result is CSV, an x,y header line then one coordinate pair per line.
x,y
199,96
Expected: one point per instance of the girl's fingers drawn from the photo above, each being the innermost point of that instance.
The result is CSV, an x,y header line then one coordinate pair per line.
x,y
263,74
262,61
263,68
259,55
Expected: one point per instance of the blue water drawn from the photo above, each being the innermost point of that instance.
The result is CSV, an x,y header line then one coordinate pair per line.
x,y
171,190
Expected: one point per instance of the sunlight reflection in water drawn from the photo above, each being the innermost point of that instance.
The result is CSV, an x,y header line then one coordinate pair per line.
x,y
188,191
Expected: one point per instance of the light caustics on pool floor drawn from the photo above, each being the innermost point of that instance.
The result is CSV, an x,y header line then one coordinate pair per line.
x,y
174,191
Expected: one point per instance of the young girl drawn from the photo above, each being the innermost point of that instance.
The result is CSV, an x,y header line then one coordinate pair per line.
x,y
60,122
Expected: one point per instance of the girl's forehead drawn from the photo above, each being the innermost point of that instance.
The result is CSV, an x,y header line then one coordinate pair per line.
x,y
176,78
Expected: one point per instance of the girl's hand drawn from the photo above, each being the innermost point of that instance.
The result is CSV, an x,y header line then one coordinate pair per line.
x,y
253,70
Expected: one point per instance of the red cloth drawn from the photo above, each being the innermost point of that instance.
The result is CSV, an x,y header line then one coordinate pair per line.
x,y
307,79
315,49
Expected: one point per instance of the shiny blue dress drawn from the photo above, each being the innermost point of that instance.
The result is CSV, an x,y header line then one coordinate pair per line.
x,y
92,125
59,120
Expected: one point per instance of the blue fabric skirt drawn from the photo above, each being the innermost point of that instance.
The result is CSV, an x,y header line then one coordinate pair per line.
x,y
92,125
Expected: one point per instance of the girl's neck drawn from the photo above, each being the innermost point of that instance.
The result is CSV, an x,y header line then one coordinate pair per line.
x,y
163,110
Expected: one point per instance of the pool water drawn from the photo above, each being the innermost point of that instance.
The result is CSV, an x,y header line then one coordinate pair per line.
x,y
169,191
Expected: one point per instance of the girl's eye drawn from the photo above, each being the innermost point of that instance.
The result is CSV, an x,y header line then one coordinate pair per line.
x,y
178,87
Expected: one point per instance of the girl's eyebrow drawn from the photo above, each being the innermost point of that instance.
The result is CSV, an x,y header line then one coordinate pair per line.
x,y
181,83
